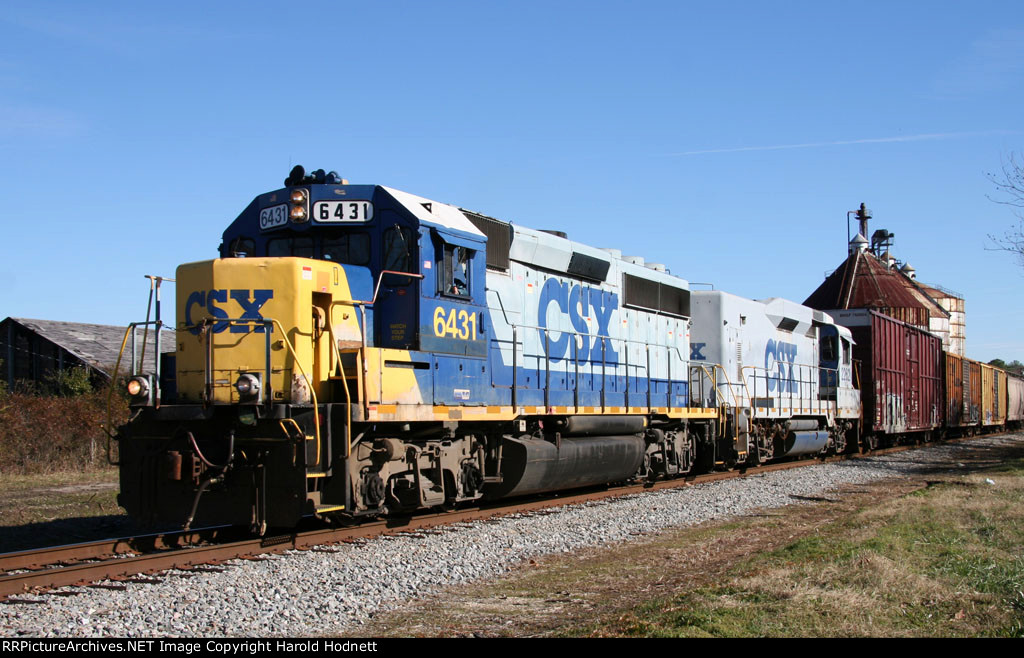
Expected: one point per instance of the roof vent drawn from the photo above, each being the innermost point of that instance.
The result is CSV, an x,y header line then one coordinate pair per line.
x,y
615,253
909,271
560,234
636,260
859,243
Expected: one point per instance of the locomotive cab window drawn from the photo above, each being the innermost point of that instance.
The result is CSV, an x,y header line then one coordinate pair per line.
x,y
846,353
300,246
347,248
399,243
241,247
828,348
454,270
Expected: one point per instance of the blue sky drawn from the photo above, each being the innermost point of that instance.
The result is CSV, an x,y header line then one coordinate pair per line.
x,y
726,140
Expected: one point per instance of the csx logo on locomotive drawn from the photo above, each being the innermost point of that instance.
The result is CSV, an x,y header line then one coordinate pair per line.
x,y
578,301
779,358
250,302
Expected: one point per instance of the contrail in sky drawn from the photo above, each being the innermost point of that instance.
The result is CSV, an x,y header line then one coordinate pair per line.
x,y
875,140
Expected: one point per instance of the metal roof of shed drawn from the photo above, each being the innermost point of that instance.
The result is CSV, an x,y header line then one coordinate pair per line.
x,y
96,344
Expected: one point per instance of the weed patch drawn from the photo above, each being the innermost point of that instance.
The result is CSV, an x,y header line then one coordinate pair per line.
x,y
43,434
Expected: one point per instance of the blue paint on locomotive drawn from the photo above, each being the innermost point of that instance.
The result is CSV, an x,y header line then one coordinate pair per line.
x,y
574,340
779,360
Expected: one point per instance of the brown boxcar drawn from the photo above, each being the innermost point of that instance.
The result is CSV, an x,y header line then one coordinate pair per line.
x,y
901,375
963,393
993,395
1014,401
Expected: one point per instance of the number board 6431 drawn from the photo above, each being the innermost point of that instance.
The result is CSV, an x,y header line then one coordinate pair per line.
x,y
342,211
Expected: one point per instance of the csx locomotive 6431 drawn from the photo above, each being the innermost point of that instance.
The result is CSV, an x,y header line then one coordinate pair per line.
x,y
357,351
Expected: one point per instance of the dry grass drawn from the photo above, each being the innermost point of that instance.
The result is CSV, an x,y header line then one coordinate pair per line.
x,y
44,510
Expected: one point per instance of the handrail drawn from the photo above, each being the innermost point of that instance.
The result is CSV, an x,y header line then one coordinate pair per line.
x,y
715,367
605,336
348,395
266,322
312,388
362,304
575,338
130,330
376,291
815,401
110,396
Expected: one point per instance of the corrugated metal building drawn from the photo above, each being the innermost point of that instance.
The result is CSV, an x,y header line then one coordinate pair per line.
x,y
33,350
873,279
953,303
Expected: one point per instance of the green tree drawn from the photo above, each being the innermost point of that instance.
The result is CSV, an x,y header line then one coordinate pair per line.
x,y
70,382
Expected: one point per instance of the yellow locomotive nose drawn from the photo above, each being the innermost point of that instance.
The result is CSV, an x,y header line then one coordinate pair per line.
x,y
260,328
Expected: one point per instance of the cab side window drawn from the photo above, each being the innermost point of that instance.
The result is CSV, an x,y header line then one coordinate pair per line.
x,y
828,348
399,243
453,271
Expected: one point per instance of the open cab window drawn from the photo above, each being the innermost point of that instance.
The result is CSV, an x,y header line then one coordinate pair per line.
x,y
454,271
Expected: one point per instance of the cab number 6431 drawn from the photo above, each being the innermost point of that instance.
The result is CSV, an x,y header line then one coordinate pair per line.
x,y
454,324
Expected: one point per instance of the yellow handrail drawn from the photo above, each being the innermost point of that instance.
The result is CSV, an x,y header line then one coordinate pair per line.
x,y
110,395
312,388
348,395
728,382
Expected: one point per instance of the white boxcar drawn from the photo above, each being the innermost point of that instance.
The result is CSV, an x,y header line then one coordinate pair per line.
x,y
1015,400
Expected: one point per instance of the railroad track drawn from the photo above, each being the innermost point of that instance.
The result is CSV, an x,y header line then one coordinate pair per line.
x,y
136,559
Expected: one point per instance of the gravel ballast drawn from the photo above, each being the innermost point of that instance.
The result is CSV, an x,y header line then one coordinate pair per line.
x,y
332,591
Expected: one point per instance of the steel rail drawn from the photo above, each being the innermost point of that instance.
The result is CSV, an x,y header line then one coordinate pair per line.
x,y
37,558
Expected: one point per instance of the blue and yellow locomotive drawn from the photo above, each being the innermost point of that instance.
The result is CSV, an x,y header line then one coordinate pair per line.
x,y
357,350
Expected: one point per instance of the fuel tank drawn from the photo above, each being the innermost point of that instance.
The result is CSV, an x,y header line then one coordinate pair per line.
x,y
805,443
531,465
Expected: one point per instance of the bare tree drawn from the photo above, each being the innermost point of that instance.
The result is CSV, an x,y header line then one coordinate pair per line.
x,y
1010,192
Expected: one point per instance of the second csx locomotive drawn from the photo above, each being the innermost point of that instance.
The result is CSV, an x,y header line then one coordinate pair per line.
x,y
357,350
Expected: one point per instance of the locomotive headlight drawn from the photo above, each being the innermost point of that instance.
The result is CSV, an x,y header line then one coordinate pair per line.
x,y
138,388
300,205
248,386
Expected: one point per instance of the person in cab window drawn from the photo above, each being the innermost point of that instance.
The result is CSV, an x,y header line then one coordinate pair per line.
x,y
460,273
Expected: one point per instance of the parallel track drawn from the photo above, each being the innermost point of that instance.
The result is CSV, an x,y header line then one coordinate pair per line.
x,y
129,558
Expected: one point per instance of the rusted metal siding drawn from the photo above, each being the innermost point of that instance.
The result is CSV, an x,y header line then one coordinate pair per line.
x,y
865,282
993,395
902,367
954,373
915,316
973,400
963,391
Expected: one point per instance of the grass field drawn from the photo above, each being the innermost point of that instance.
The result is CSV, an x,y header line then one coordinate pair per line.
x,y
947,560
59,508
